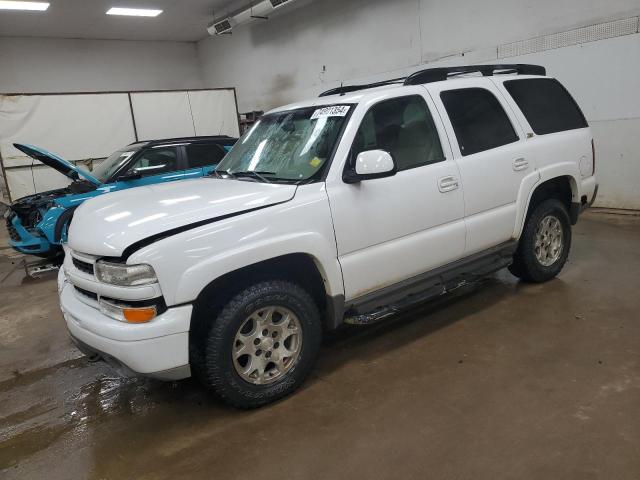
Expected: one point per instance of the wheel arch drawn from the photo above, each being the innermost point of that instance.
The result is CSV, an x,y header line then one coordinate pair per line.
x,y
563,187
301,268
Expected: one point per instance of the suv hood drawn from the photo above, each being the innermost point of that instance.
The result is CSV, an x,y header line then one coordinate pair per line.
x,y
66,168
108,224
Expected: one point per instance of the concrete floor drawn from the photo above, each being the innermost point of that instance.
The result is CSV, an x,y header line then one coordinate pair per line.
x,y
504,380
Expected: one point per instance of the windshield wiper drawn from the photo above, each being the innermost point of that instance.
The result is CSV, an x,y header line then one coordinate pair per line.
x,y
219,173
255,174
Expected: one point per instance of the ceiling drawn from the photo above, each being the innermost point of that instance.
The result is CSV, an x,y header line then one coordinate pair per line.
x,y
181,20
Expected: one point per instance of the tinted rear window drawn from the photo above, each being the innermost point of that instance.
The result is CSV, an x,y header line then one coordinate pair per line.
x,y
204,154
546,104
478,119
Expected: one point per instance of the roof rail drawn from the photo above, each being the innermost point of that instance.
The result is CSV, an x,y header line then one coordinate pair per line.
x,y
437,74
443,73
354,88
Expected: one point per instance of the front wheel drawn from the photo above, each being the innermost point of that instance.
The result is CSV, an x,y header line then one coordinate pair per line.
x,y
544,244
262,345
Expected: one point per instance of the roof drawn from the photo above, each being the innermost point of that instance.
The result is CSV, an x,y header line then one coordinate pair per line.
x,y
353,97
359,93
195,139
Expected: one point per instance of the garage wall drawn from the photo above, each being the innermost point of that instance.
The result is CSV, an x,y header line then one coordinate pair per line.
x,y
316,45
43,65
89,127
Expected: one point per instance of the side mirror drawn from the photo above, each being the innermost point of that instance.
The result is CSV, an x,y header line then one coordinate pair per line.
x,y
130,175
369,165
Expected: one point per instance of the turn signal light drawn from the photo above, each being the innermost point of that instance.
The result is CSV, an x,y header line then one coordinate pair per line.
x,y
139,315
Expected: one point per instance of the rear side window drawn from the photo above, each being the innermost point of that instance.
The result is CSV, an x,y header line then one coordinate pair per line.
x,y
204,155
546,104
403,127
479,121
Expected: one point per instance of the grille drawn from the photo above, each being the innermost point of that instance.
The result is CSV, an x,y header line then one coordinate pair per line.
x,y
85,267
87,293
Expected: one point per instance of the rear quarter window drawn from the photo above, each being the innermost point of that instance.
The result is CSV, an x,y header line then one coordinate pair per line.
x,y
546,104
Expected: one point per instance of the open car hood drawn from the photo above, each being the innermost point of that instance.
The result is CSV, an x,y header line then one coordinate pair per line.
x,y
66,168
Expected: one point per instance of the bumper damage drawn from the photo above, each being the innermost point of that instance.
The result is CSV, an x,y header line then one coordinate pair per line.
x,y
159,349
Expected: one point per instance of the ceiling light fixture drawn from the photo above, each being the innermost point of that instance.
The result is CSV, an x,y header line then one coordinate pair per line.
x,y
134,12
37,6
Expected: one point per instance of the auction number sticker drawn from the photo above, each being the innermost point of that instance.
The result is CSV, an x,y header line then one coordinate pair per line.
x,y
332,111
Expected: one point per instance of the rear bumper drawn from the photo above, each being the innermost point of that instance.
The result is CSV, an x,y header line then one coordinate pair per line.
x,y
593,197
129,347
589,192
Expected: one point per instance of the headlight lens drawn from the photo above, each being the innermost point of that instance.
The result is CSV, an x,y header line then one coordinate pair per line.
x,y
125,275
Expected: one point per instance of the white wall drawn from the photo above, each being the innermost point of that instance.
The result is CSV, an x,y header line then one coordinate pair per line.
x,y
44,65
313,46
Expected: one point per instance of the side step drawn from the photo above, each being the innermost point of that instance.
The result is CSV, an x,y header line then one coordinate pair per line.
x,y
384,312
377,306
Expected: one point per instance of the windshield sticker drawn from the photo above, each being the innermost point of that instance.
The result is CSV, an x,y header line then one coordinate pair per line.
x,y
333,111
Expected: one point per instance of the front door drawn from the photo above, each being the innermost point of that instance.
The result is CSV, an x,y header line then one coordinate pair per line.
x,y
155,165
391,229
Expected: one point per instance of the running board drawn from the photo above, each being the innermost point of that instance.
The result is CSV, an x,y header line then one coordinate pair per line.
x,y
377,306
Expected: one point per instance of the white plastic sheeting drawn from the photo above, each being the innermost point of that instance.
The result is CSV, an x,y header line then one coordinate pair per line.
x,y
85,127
75,127
177,114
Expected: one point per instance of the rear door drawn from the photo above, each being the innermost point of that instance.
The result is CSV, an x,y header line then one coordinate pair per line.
x,y
488,145
202,158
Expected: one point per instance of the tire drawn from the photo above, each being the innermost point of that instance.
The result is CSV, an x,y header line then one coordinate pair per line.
x,y
221,369
528,263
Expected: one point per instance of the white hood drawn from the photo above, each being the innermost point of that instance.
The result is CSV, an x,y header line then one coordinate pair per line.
x,y
108,224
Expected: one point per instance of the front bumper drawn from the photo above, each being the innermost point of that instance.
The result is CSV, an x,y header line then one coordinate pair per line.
x,y
24,241
158,349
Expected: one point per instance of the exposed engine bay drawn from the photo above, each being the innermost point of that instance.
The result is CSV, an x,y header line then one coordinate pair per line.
x,y
30,208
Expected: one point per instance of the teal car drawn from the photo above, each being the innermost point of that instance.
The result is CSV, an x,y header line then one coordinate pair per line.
x,y
38,224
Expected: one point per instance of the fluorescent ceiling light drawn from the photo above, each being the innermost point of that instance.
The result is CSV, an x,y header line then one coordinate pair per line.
x,y
134,12
39,6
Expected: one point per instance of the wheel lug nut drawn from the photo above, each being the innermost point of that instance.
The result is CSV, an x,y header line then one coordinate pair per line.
x,y
258,353
265,332
274,334
256,341
268,354
276,345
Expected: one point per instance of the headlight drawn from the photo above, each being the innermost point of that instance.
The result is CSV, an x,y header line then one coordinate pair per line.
x,y
125,275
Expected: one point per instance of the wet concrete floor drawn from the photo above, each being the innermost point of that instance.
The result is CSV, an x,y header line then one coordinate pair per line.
x,y
503,380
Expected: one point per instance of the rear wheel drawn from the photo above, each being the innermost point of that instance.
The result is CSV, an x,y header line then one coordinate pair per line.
x,y
262,345
544,244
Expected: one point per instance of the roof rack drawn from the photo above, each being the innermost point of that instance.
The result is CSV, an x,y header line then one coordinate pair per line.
x,y
341,90
437,74
443,73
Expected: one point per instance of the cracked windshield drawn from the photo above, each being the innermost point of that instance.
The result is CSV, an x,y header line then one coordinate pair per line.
x,y
294,145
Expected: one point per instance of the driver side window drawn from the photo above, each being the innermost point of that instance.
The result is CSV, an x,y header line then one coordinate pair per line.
x,y
403,127
155,161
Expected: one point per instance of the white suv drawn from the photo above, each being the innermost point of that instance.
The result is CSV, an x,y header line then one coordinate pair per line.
x,y
340,209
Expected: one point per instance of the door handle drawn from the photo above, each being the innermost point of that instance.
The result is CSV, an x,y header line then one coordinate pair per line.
x,y
520,164
448,184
